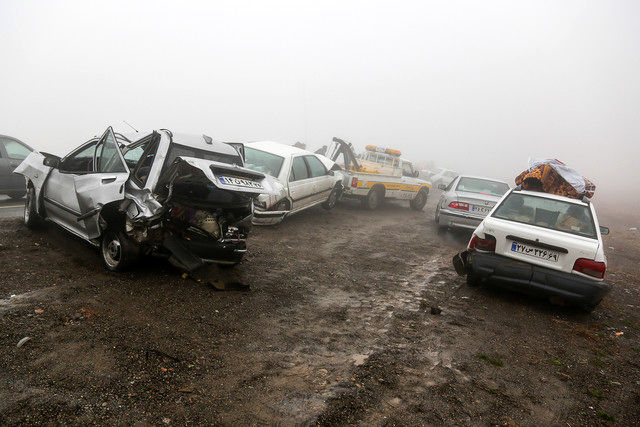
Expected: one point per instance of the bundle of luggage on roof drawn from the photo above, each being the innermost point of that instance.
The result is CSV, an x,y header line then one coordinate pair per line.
x,y
554,177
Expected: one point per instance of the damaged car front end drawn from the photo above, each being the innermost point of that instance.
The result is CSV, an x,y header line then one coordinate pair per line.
x,y
185,197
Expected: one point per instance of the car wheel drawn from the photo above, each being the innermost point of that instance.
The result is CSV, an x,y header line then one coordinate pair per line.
x,y
373,199
473,280
118,252
16,196
31,217
331,201
417,204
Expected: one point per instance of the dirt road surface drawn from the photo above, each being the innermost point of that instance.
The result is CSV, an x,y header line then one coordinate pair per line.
x,y
337,327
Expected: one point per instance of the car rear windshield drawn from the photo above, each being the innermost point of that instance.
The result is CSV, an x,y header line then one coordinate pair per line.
x,y
261,161
482,186
548,213
178,150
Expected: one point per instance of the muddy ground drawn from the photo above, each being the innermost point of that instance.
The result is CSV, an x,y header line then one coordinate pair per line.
x,y
336,328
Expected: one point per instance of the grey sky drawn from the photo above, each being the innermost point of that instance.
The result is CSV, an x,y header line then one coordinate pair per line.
x,y
474,85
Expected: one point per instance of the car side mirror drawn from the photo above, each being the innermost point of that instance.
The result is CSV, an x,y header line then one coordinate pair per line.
x,y
604,230
51,161
442,186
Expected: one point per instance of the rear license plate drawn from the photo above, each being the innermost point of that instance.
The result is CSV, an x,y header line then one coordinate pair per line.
x,y
240,182
480,209
532,251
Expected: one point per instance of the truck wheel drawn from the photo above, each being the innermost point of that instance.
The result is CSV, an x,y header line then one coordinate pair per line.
x,y
418,202
118,252
373,199
31,218
331,201
473,280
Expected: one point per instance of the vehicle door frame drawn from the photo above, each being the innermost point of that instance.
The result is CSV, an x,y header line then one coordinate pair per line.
x,y
322,184
15,182
305,184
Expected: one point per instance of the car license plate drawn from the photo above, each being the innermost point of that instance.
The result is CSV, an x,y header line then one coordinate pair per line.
x,y
544,254
240,182
480,209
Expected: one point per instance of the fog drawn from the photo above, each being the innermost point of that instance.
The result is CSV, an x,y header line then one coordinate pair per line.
x,y
474,86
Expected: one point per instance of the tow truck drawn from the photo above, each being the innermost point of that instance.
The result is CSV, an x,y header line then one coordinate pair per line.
x,y
378,174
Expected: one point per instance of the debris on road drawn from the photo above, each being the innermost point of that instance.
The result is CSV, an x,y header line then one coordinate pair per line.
x,y
23,341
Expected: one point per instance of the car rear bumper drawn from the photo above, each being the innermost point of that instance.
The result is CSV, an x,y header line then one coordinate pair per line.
x,y
459,220
261,217
535,280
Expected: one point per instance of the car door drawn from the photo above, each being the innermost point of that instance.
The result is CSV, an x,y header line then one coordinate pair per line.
x,y
84,181
322,181
12,153
300,183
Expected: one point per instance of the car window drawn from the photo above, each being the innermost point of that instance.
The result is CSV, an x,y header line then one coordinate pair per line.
x,y
450,185
406,169
108,157
81,161
298,169
140,158
482,186
315,166
15,150
548,213
261,161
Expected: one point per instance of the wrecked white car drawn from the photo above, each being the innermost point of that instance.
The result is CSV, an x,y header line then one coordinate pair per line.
x,y
186,197
307,179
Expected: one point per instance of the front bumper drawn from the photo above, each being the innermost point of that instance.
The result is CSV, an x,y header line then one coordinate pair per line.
x,y
535,280
459,220
262,217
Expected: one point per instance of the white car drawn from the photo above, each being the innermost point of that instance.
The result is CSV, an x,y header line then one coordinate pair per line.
x,y
442,177
307,179
467,200
541,244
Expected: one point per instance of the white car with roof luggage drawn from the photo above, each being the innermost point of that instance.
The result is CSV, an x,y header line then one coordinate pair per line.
x,y
307,179
541,244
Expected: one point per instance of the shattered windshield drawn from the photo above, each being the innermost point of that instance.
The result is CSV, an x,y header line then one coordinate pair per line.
x,y
261,161
482,186
178,150
548,213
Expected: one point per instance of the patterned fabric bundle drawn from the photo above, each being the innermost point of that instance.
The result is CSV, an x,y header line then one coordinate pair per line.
x,y
553,176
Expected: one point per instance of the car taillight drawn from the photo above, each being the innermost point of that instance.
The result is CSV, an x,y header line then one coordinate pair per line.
x,y
354,182
488,244
590,267
459,205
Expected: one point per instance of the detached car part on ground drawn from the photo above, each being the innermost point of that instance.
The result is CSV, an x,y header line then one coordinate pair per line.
x,y
379,174
305,180
467,200
186,197
541,244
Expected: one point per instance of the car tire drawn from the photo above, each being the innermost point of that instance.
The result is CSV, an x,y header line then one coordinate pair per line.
x,y
16,196
418,202
331,201
31,218
473,280
373,199
118,251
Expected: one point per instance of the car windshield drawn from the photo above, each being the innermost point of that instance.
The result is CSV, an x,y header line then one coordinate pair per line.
x,y
482,186
548,213
178,150
264,162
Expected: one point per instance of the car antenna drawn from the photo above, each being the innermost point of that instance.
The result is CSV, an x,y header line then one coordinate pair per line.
x,y
125,122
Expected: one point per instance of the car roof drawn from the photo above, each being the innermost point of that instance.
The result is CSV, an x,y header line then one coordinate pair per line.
x,y
551,196
277,148
483,177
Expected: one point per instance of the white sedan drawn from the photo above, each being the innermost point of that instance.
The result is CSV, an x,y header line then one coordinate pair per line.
x,y
307,179
541,244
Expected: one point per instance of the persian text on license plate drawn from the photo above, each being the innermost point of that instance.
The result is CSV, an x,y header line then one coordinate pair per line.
x,y
544,254
241,182
480,209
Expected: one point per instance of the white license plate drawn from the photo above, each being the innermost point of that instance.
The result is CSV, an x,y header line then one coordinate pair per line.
x,y
480,209
544,254
240,182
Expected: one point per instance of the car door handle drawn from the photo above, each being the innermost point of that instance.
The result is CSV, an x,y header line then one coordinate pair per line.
x,y
108,180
